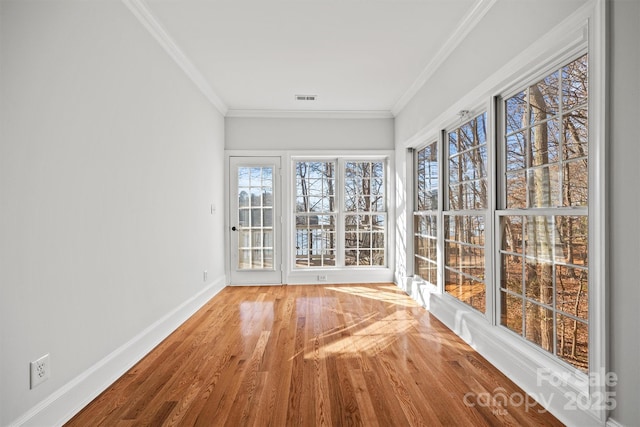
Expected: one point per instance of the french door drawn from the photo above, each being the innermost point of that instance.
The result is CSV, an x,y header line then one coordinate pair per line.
x,y
254,220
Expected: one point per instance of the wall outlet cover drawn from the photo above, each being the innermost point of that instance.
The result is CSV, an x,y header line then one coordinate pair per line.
x,y
40,370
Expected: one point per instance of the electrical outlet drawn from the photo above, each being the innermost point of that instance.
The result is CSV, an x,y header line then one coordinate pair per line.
x,y
322,278
40,370
205,275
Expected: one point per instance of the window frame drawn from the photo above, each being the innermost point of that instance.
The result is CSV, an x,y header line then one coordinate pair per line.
x,y
549,211
464,117
340,211
583,31
428,213
308,214
345,213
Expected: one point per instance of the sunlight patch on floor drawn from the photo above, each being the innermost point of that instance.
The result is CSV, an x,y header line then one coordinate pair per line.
x,y
369,340
377,294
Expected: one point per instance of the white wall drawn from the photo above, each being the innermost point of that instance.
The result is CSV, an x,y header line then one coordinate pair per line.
x,y
507,28
289,136
249,133
109,161
624,205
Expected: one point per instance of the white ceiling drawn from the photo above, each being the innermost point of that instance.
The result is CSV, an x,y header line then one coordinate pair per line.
x,y
355,55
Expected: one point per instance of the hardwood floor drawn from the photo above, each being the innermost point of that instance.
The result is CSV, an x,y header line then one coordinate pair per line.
x,y
338,355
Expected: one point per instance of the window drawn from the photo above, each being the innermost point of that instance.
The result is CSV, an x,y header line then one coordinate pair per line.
x,y
315,214
541,197
365,216
340,219
465,217
544,286
426,216
255,217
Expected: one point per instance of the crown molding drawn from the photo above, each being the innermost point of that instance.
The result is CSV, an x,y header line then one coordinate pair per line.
x,y
142,12
311,114
464,27
563,40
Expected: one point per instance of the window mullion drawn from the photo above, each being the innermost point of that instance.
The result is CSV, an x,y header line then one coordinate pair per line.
x,y
339,213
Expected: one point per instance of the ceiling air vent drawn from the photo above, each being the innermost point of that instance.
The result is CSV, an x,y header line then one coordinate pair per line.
x,y
306,97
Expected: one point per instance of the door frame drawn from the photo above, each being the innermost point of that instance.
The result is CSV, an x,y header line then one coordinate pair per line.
x,y
253,277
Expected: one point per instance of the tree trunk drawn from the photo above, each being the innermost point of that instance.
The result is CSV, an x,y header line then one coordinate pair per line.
x,y
541,230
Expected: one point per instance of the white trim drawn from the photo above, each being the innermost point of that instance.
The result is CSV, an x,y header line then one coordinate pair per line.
x,y
341,276
254,277
69,399
311,114
142,12
520,363
464,27
561,39
598,201
341,273
613,423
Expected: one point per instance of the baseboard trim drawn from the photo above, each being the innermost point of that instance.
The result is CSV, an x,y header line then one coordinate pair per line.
x,y
508,355
613,423
69,399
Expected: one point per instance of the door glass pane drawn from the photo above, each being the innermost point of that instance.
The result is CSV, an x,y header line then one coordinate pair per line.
x,y
255,218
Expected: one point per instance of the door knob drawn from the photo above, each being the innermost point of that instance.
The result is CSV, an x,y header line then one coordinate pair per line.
x,y
234,228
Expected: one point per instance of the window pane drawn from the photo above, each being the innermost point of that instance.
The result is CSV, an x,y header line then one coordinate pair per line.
x,y
571,291
465,289
544,187
543,98
572,234
575,183
516,184
427,178
515,112
243,177
315,186
364,186
244,259
512,273
268,258
516,155
539,281
244,241
512,237
575,83
511,312
427,270
255,174
267,239
573,342
243,217
539,238
539,325
545,140
351,257
465,259
468,166
425,247
256,217
255,199
243,197
315,240
256,259
576,137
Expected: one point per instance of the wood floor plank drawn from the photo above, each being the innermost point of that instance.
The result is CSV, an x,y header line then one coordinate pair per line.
x,y
333,355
